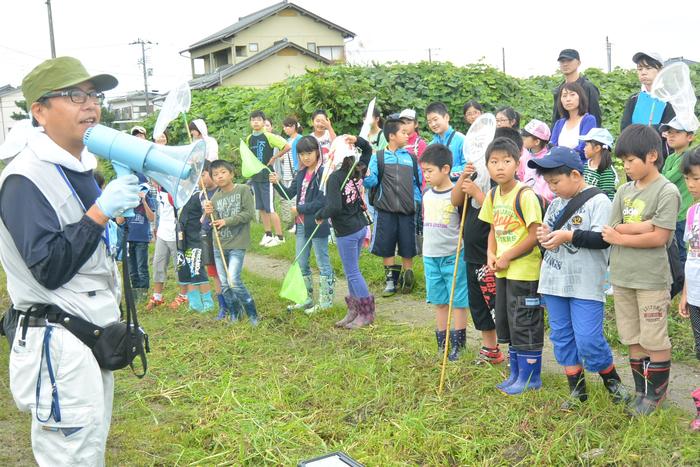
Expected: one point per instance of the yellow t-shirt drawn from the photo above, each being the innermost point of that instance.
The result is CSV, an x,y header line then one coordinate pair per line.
x,y
510,230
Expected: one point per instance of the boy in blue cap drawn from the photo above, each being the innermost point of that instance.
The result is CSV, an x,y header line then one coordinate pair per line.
x,y
572,275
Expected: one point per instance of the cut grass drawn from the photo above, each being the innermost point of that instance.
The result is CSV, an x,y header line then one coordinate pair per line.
x,y
295,388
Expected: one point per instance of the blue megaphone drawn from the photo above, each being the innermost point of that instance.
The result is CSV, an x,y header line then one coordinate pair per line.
x,y
176,168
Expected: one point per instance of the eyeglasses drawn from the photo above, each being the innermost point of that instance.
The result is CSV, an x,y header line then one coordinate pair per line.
x,y
77,96
503,120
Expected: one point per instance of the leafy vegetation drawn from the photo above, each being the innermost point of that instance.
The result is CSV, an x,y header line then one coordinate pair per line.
x,y
344,91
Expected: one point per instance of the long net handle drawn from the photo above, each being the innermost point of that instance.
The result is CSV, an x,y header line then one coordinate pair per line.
x,y
452,292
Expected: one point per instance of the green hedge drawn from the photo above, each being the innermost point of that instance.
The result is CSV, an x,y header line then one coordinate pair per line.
x,y
344,91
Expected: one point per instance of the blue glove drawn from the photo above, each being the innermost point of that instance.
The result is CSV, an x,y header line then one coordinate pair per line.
x,y
119,195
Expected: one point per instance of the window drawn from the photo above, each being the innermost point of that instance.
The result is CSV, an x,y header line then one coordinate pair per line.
x,y
198,66
311,46
220,58
333,53
253,47
241,51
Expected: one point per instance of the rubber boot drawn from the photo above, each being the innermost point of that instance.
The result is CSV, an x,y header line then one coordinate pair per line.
x,y
397,274
458,340
407,281
352,304
513,377
638,366
207,302
391,274
194,297
656,374
325,296
235,308
577,386
370,308
223,309
251,311
529,370
365,313
308,281
618,391
441,337
695,424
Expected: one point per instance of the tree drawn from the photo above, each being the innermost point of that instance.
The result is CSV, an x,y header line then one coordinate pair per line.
x,y
24,114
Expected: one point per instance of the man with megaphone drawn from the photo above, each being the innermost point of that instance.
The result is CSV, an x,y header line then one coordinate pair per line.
x,y
55,251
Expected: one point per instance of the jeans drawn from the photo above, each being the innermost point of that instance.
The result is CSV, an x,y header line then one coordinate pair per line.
x,y
320,246
349,248
576,330
234,291
679,233
138,264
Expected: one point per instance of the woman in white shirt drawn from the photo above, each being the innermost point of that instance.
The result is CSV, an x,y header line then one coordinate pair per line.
x,y
573,105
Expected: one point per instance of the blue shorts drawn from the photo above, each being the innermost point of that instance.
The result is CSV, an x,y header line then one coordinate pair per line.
x,y
438,281
391,230
263,196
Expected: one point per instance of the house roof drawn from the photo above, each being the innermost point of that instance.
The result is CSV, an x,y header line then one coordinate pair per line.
x,y
254,18
8,89
212,79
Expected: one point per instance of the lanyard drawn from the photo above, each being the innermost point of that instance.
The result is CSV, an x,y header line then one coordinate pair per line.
x,y
55,410
105,237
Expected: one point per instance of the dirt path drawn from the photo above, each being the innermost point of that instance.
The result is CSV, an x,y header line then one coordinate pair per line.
x,y
408,310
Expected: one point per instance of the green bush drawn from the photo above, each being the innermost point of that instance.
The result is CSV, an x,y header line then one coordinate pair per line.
x,y
344,92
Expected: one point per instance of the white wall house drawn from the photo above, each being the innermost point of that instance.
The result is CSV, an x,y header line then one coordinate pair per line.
x,y
8,96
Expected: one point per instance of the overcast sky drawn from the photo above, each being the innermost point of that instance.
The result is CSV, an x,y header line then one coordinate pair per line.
x,y
99,32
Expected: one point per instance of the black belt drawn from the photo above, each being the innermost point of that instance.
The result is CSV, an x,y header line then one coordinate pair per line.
x,y
32,322
40,315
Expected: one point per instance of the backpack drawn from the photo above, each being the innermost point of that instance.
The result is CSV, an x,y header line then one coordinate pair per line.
x,y
374,191
517,207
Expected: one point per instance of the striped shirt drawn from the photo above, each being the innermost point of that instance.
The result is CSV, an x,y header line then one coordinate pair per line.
x,y
606,181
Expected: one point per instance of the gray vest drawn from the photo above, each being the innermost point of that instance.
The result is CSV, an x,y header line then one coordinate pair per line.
x,y
94,292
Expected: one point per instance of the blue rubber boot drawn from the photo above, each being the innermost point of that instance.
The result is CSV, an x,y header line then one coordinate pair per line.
x,y
223,309
529,370
513,377
251,311
194,297
458,340
207,302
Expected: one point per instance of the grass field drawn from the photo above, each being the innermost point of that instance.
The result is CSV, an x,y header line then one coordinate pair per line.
x,y
295,387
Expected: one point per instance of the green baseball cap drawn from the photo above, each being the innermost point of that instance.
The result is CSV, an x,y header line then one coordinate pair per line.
x,y
60,73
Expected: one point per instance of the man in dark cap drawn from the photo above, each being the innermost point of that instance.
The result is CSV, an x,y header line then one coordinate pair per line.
x,y
56,253
569,61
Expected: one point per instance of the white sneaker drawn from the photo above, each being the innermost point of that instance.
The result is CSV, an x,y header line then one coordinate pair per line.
x,y
265,240
292,229
274,241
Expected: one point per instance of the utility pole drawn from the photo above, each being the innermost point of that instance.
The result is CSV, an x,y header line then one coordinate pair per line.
x,y
430,55
503,55
608,47
53,45
143,43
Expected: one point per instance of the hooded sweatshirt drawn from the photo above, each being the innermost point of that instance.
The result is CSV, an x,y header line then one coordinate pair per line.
x,y
212,145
